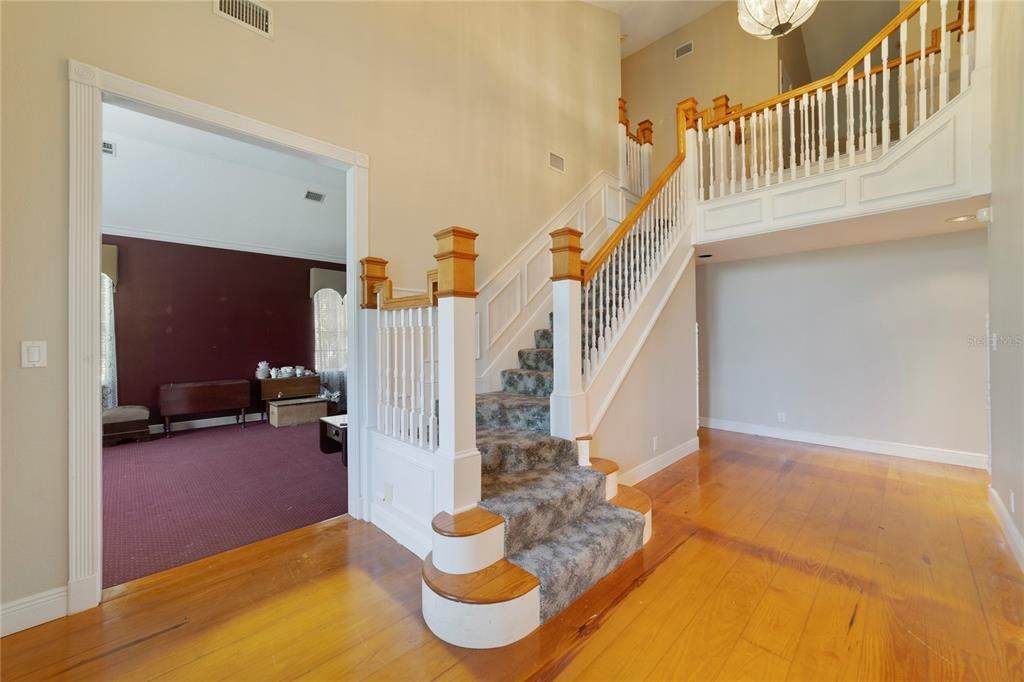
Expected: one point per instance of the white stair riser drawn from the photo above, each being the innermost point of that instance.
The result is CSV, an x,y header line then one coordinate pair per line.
x,y
611,485
481,626
468,553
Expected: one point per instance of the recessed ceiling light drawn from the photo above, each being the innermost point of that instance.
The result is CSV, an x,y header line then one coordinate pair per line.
x,y
960,218
704,255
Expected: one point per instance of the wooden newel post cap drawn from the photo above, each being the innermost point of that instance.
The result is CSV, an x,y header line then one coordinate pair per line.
x,y
645,131
456,262
622,113
687,110
566,247
375,271
720,106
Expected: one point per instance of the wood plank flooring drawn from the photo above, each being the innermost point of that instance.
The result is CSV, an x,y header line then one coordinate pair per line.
x,y
770,560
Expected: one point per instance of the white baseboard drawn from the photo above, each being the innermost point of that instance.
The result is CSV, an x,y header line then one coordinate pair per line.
x,y
1013,535
189,424
33,610
975,460
402,527
659,462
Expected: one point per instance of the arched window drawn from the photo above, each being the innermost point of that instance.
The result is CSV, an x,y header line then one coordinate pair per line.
x,y
108,346
329,335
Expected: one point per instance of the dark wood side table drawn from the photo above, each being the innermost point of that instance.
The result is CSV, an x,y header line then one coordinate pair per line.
x,y
197,397
334,435
289,387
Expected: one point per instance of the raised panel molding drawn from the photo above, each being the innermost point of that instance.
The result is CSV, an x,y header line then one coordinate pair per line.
x,y
503,308
928,165
806,200
733,215
537,274
594,211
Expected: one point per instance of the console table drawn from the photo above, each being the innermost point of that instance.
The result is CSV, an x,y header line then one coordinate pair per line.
x,y
196,397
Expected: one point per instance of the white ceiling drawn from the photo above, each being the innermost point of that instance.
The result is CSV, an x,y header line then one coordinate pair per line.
x,y
172,182
645,21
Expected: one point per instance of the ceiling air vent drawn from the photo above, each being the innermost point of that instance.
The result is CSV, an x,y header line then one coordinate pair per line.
x,y
556,162
109,148
253,15
684,49
314,196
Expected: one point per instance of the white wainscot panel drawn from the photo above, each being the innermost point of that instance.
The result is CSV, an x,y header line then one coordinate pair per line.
x,y
503,308
733,215
807,200
402,484
538,273
928,165
594,212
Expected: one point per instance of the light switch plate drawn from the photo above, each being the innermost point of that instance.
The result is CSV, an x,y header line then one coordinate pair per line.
x,y
33,353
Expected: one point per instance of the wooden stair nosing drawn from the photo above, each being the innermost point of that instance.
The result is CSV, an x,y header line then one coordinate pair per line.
x,y
605,466
632,498
502,581
470,522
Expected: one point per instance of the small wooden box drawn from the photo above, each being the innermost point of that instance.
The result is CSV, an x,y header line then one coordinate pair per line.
x,y
297,411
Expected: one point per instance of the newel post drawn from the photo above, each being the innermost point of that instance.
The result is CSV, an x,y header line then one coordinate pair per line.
x,y
645,132
623,140
686,113
686,120
457,473
568,402
374,273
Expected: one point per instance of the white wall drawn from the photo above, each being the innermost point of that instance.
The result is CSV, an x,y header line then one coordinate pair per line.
x,y
174,183
456,104
883,342
1006,257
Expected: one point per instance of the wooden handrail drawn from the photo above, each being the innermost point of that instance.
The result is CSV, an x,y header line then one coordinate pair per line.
x,y
644,129
424,300
840,75
594,264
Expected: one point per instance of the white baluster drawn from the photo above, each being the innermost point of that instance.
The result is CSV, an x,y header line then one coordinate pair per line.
x,y
743,156
943,55
780,122
851,136
805,133
755,175
869,109
965,44
835,125
933,68
903,80
700,159
822,137
722,170
732,157
792,138
922,114
885,96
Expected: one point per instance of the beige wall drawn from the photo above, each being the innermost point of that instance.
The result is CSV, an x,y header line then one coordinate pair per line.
x,y
883,342
725,60
658,397
1006,256
457,106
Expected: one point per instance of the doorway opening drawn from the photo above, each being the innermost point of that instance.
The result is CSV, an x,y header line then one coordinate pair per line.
x,y
223,341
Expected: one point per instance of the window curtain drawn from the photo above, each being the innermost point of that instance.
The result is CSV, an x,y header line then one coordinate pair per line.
x,y
108,352
329,333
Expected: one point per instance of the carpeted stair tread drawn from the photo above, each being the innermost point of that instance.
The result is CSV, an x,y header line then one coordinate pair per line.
x,y
523,450
513,412
575,558
536,504
537,358
528,382
543,338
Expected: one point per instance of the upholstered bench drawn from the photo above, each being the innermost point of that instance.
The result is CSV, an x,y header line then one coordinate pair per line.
x,y
125,422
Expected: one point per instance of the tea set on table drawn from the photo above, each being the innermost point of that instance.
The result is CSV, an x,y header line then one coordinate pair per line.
x,y
265,371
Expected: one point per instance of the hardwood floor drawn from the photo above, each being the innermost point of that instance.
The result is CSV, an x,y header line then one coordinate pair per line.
x,y
770,560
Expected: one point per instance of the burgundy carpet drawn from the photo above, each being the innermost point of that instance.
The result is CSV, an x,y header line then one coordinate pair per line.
x,y
171,501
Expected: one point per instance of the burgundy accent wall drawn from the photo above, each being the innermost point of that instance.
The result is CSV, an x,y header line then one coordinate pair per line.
x,y
193,313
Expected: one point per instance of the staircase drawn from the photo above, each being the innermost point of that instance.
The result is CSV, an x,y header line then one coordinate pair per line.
x,y
564,525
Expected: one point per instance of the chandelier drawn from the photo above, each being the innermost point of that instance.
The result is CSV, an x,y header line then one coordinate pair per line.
x,y
769,19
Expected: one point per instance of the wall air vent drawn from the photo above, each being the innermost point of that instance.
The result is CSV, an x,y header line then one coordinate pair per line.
x,y
109,148
314,196
684,49
253,15
556,162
